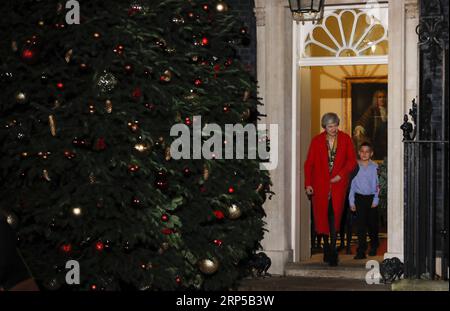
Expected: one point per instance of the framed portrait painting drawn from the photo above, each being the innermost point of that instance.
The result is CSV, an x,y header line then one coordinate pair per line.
x,y
366,111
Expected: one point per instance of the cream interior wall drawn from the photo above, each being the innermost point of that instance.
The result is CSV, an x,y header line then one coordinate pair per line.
x,y
327,89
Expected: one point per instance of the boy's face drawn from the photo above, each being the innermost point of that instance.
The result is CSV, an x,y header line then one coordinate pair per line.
x,y
365,153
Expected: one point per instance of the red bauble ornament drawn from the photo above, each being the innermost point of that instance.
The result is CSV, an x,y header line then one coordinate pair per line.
x,y
28,54
228,62
226,108
205,7
187,121
66,248
219,214
205,41
216,68
136,201
93,287
167,231
100,144
198,82
99,246
178,280
218,242
137,93
69,154
133,168
230,190
165,217
60,85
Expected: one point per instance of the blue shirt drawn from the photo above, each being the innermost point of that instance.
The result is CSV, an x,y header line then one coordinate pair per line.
x,y
365,183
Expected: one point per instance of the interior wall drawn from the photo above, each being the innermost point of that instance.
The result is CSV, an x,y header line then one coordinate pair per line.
x,y
327,88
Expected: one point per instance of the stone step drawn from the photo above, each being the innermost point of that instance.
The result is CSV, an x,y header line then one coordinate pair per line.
x,y
348,268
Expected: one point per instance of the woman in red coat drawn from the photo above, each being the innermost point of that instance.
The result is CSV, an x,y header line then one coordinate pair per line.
x,y
331,159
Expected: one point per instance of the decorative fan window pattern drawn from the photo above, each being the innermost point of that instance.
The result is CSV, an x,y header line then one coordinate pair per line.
x,y
347,33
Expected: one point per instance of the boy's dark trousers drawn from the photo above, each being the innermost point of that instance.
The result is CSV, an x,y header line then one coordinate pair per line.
x,y
366,221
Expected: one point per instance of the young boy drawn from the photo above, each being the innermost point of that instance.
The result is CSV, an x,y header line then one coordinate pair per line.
x,y
363,199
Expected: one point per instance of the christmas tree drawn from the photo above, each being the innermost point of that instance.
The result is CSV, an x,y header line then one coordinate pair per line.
x,y
86,168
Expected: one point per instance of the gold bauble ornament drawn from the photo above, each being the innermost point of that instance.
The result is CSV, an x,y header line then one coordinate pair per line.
x,y
208,266
166,76
21,98
108,106
234,211
167,154
221,7
68,55
12,220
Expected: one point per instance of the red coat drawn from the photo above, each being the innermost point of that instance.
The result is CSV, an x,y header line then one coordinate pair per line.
x,y
317,176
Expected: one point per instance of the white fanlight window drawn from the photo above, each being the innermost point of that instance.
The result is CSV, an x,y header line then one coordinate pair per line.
x,y
352,36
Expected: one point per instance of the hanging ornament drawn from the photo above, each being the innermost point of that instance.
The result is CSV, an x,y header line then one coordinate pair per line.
x,y
230,189
96,35
29,55
217,242
234,212
137,93
167,231
219,214
166,76
83,67
167,155
106,82
133,168
68,55
60,85
100,144
45,175
119,49
108,106
21,97
208,266
66,248
52,123
228,62
187,121
198,82
226,108
91,108
12,220
133,126
221,7
138,7
76,211
178,280
161,181
99,246
243,30
205,41
205,7
14,46
165,217
69,154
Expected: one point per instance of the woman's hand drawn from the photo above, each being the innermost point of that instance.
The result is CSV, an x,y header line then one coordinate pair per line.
x,y
335,179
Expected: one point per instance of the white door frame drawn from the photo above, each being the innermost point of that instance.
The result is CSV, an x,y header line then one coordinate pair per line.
x,y
402,51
